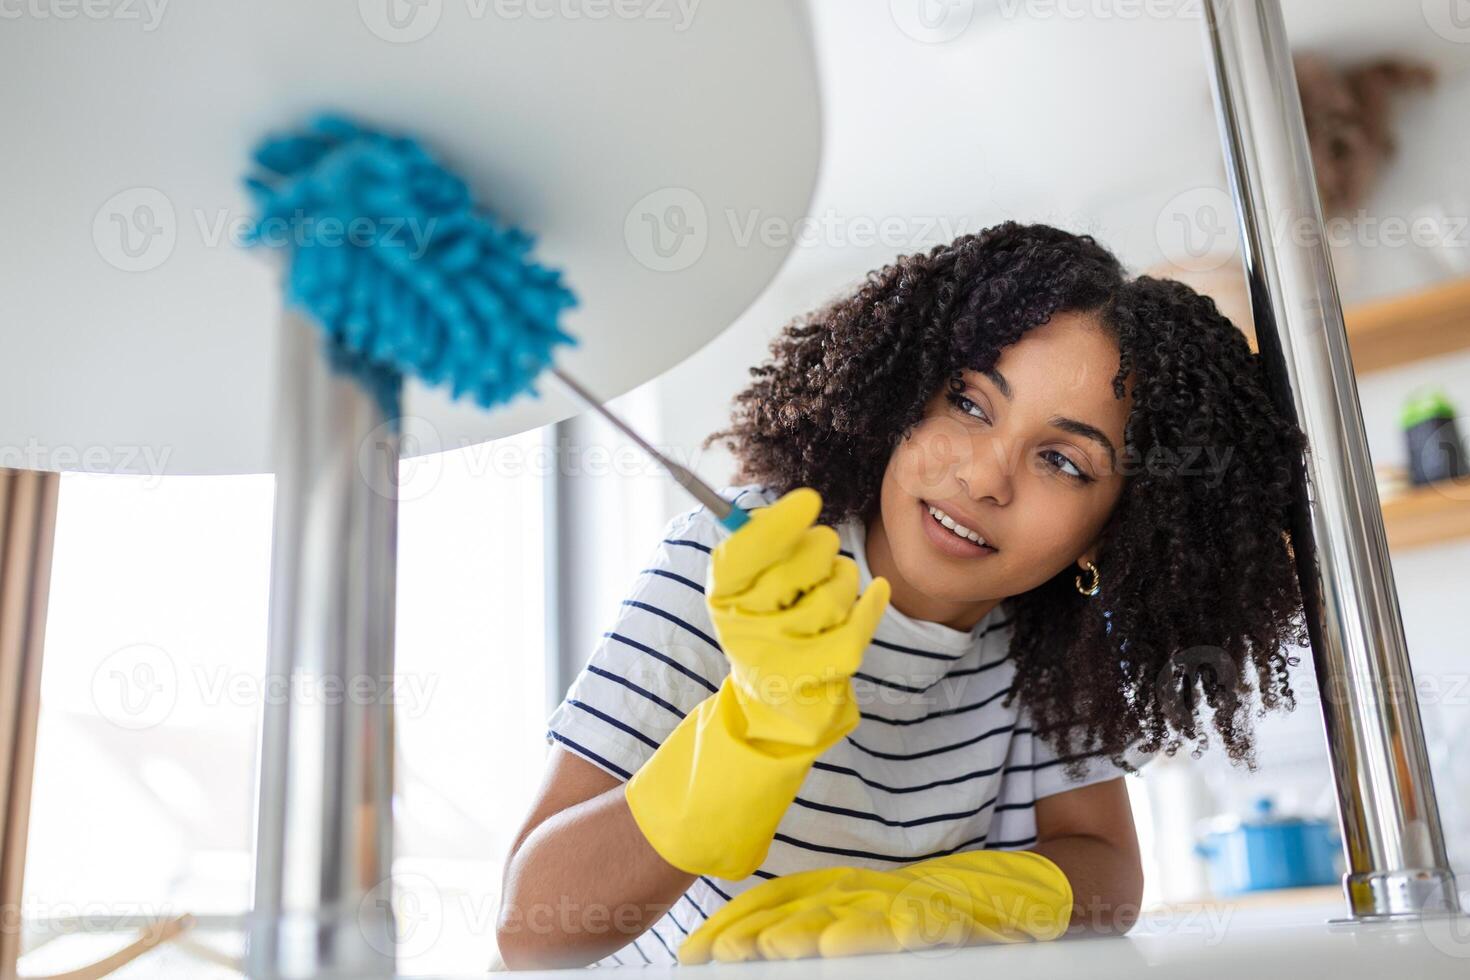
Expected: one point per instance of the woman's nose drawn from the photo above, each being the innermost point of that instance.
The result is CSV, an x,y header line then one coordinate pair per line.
x,y
991,470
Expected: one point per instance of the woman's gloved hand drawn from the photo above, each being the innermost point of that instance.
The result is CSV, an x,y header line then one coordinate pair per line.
x,y
960,900
782,602
786,610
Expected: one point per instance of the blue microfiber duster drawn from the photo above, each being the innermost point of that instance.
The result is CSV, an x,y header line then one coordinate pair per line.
x,y
407,276
394,261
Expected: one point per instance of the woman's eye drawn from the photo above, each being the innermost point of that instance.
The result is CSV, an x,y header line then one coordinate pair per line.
x,y
1065,465
964,404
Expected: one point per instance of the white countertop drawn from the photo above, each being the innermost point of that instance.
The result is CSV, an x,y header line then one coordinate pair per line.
x,y
1244,939
1224,941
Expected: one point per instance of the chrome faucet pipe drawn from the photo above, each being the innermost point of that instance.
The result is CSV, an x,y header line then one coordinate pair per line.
x,y
1397,865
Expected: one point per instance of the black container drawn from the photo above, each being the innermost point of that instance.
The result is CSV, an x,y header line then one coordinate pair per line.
x,y
1435,450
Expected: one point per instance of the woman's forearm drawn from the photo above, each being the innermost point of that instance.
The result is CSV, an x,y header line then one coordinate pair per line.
x,y
1106,880
582,885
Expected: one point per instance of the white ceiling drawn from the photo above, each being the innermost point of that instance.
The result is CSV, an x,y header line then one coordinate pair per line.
x,y
1087,121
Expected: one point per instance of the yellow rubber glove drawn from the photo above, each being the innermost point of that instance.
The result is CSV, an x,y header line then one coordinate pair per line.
x,y
959,900
785,608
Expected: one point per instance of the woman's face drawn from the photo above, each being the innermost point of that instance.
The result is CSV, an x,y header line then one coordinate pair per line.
x,y
1028,456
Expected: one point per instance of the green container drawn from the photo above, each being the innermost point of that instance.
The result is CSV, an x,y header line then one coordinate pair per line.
x,y
1433,440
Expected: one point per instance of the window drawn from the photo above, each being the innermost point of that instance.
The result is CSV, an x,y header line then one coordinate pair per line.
x,y
143,800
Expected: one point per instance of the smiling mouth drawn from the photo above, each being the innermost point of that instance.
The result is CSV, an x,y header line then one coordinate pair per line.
x,y
958,531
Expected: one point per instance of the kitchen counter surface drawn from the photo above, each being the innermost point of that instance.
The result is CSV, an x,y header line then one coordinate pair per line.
x,y
1258,937
1234,940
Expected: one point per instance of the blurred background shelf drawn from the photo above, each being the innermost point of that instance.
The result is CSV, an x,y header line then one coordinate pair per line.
x,y
1428,515
1402,329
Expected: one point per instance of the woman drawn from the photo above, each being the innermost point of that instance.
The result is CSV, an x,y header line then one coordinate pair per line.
x,y
1051,508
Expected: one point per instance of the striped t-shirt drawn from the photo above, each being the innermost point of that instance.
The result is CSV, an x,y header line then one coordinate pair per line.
x,y
936,765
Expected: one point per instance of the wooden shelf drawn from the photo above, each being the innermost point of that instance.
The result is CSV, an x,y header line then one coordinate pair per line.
x,y
1402,329
1382,334
1428,515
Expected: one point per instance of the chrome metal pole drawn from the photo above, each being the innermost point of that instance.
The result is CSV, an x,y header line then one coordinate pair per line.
x,y
1390,821
324,829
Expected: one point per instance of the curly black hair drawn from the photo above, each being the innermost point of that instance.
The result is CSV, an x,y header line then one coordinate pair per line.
x,y
1201,590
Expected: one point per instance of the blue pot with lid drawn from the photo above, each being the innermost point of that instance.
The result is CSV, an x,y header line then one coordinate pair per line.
x,y
1269,850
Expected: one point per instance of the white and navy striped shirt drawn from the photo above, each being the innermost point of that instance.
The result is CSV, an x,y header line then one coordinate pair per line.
x,y
936,765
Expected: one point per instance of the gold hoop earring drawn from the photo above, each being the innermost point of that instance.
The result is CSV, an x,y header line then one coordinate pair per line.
x,y
1096,580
